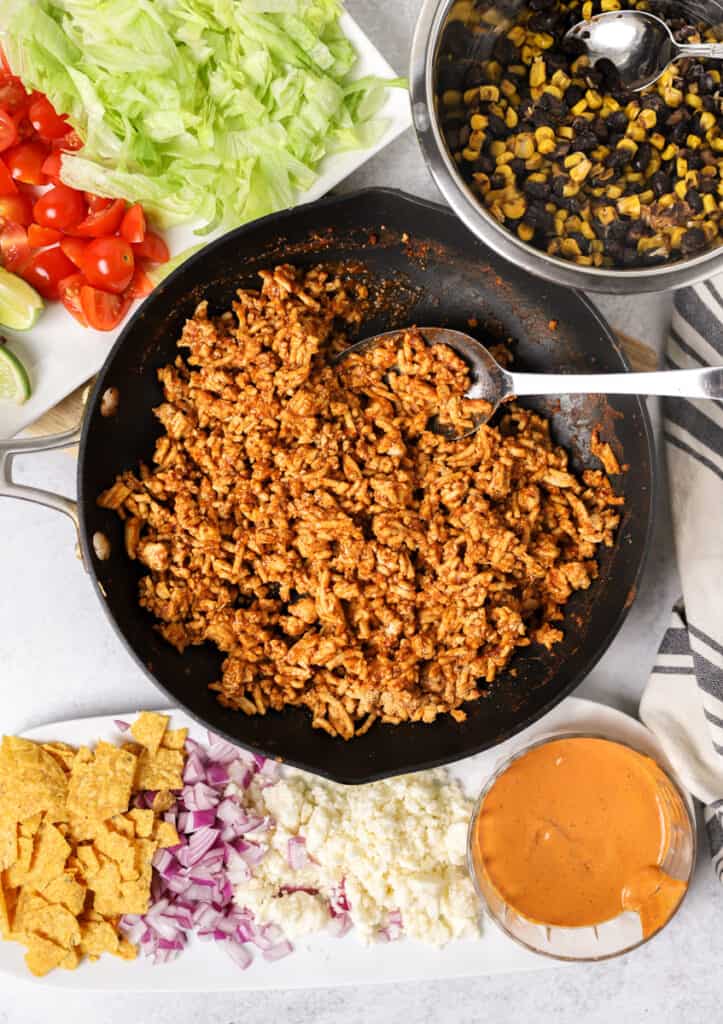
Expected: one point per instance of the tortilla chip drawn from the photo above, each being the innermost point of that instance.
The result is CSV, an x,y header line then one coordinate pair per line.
x,y
165,834
71,960
126,950
28,903
30,781
163,801
54,923
143,820
101,788
5,912
9,843
149,729
89,861
49,856
106,887
17,873
175,739
42,955
66,892
119,849
123,825
63,753
98,937
164,771
30,826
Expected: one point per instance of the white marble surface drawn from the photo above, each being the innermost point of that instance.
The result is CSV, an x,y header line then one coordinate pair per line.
x,y
59,659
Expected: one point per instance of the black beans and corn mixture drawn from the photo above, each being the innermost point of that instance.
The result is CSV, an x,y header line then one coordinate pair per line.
x,y
562,156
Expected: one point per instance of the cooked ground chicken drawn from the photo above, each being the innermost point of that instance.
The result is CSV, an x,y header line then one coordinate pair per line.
x,y
303,518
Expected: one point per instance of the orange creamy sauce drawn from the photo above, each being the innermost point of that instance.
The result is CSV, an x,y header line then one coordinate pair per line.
x,y
572,833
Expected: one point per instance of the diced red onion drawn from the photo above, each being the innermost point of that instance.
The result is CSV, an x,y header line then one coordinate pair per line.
x,y
239,954
121,725
194,771
281,949
338,926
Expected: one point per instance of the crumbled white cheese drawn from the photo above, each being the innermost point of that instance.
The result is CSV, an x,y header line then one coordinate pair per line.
x,y
398,844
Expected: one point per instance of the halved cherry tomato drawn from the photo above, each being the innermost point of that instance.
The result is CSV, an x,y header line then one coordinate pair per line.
x,y
13,97
71,142
102,310
14,248
45,121
8,130
52,166
7,185
17,209
96,203
133,225
25,162
141,285
46,270
152,248
108,264
103,222
69,291
74,249
60,207
40,237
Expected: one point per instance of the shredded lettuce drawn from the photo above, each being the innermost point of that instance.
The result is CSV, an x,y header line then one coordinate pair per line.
x,y
216,111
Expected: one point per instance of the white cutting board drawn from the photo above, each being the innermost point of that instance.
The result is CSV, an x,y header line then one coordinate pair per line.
x,y
60,355
322,961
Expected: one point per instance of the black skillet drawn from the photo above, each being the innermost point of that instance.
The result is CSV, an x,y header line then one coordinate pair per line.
x,y
423,267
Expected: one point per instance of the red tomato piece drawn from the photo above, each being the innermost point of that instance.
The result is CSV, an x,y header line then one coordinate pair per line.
x,y
7,185
40,237
102,310
45,121
74,249
133,225
13,97
152,248
96,203
71,142
25,162
17,209
52,166
8,130
103,222
60,207
14,248
141,285
69,291
46,270
108,264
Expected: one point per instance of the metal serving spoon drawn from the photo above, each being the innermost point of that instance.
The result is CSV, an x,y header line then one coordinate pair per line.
x,y
638,44
494,384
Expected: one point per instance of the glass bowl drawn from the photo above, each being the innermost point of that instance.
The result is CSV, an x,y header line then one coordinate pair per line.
x,y
609,938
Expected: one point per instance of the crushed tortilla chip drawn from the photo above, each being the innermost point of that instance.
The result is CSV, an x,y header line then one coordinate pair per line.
x,y
75,854
149,729
162,771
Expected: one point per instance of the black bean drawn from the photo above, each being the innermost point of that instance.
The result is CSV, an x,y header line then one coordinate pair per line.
x,y
654,102
661,183
558,183
538,217
451,137
693,240
583,242
617,122
642,157
518,167
695,159
561,150
457,39
474,76
450,76
707,185
586,142
573,94
498,181
600,129
496,126
692,198
485,163
505,51
630,255
617,159
537,189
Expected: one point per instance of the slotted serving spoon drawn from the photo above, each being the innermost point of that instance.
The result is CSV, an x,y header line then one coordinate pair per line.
x,y
494,384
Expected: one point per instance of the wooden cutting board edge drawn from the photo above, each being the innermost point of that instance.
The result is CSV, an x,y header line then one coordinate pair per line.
x,y
68,412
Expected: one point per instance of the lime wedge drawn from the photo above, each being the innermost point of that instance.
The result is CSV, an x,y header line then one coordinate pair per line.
x,y
14,380
20,305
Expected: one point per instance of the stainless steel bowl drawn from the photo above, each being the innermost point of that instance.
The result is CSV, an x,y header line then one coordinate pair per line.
x,y
425,50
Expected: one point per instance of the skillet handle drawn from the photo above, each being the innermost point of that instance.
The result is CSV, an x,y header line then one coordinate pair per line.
x,y
27,446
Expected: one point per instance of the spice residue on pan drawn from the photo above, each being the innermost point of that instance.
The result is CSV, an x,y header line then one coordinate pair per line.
x,y
302,517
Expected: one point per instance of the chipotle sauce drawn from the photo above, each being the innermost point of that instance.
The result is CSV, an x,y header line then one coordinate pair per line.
x,y
573,833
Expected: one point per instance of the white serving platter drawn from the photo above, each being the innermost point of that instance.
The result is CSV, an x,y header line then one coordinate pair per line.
x,y
60,355
322,961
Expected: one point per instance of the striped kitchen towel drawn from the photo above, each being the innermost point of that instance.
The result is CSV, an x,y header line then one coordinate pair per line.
x,y
683,701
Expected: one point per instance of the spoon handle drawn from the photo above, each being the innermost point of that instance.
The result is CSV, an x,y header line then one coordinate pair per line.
x,y
711,51
703,383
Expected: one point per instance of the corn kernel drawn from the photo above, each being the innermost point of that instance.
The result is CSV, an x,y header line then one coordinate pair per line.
x,y
648,117
569,247
552,90
470,154
515,209
511,118
676,237
489,93
693,101
709,203
680,189
657,140
647,196
497,148
517,35
543,132
534,162
451,97
594,99
613,191
570,189
538,73
525,232
524,146
475,140
560,79
692,141
681,167
587,10
609,5
649,243
566,132
717,144
629,206
508,88
573,159
579,107
587,230
580,171
478,122
669,152
707,121
636,131
470,95
673,97
546,146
